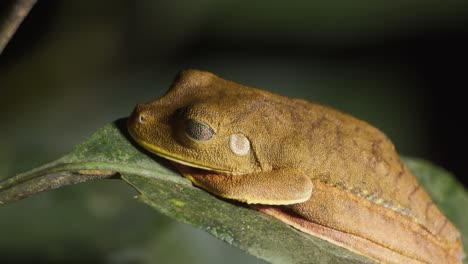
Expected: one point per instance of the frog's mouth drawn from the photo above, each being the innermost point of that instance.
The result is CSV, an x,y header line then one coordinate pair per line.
x,y
180,161
176,158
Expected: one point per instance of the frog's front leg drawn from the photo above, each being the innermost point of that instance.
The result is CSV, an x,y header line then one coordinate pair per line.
x,y
279,187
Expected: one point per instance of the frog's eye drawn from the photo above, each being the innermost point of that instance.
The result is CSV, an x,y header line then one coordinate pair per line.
x,y
198,130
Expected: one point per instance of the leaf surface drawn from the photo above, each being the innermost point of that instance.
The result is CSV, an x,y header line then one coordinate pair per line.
x,y
110,152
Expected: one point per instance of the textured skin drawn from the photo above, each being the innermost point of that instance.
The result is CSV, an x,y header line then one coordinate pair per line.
x,y
320,170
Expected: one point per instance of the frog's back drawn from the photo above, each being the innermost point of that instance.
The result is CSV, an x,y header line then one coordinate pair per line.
x,y
358,161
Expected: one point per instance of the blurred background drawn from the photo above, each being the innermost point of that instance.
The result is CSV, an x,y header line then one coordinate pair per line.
x,y
74,66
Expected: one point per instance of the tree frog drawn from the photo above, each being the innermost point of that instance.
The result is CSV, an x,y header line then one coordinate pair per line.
x,y
317,169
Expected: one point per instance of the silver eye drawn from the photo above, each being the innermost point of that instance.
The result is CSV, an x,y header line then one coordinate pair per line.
x,y
198,130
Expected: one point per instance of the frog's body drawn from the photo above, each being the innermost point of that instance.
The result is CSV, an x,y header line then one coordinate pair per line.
x,y
315,168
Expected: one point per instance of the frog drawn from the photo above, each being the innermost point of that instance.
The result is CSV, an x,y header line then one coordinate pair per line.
x,y
315,168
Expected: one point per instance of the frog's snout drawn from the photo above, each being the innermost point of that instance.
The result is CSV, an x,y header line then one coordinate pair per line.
x,y
138,118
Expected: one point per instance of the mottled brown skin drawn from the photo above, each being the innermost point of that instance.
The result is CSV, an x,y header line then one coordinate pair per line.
x,y
322,171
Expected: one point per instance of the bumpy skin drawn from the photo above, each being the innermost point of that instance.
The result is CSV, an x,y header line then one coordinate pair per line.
x,y
315,168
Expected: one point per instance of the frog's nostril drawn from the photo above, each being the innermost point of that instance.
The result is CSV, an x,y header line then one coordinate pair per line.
x,y
141,118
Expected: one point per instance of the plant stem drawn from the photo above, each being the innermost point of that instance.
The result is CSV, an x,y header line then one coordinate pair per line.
x,y
50,176
16,13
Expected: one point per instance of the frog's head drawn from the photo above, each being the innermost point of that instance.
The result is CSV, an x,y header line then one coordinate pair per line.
x,y
206,122
229,139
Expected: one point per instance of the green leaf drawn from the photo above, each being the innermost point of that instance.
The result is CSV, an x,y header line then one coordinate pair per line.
x,y
110,152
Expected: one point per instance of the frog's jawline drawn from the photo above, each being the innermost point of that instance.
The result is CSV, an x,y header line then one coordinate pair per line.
x,y
166,155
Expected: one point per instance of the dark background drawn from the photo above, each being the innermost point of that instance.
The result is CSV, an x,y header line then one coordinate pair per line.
x,y
74,66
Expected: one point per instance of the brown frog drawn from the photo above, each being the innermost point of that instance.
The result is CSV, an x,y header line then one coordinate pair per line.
x,y
319,170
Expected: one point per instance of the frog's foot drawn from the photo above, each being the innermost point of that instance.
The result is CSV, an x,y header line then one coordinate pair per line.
x,y
279,187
